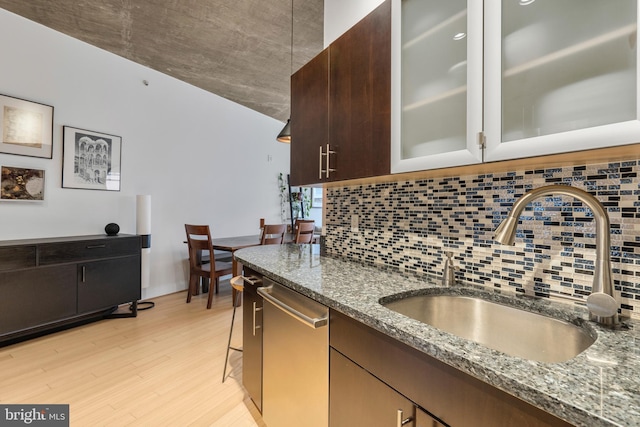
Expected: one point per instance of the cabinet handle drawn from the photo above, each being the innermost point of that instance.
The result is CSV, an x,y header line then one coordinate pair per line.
x,y
96,246
255,309
84,274
329,151
252,280
402,421
327,169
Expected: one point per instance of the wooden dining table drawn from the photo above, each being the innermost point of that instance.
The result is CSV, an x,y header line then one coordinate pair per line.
x,y
232,244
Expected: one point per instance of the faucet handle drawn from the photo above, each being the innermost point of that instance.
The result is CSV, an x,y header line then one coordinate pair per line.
x,y
449,271
449,262
603,306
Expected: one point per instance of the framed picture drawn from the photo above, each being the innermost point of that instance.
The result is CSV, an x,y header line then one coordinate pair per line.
x,y
26,128
90,160
21,184
316,197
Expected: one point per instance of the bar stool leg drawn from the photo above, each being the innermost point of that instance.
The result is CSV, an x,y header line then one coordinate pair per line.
x,y
233,316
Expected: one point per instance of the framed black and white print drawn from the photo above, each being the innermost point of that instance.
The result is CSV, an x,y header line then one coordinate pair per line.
x,y
21,184
90,160
26,127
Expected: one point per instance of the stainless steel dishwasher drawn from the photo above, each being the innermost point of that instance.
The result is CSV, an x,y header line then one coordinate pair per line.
x,y
295,364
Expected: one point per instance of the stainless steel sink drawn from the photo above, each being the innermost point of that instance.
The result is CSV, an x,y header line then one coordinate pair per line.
x,y
513,331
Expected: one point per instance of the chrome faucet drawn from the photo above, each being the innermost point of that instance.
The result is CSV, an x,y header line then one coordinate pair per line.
x,y
602,306
449,271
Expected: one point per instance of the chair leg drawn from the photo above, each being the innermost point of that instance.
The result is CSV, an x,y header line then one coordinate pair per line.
x,y
205,284
210,299
217,283
192,284
233,316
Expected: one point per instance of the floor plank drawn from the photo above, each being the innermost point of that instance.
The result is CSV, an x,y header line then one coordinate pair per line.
x,y
162,368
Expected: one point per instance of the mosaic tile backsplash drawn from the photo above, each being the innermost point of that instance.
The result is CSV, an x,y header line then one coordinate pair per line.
x,y
410,224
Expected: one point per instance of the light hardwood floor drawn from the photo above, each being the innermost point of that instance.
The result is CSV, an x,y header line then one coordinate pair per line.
x,y
163,368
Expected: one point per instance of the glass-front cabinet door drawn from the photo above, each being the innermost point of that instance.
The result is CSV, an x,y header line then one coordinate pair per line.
x,y
436,83
560,76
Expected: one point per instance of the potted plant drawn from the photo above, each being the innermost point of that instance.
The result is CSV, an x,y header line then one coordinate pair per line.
x,y
293,203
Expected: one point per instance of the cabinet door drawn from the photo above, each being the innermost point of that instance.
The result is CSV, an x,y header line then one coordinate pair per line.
x,y
360,97
560,76
252,344
310,120
425,420
357,398
107,283
437,83
36,296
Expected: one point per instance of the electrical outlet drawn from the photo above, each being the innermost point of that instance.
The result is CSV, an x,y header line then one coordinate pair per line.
x,y
354,223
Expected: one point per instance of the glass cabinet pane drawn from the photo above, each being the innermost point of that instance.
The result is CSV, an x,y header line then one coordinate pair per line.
x,y
567,65
433,77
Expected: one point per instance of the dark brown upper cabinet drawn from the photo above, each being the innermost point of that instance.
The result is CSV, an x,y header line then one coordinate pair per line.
x,y
309,120
341,106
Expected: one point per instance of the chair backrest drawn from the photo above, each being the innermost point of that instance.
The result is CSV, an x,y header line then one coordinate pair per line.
x,y
300,221
273,234
304,231
198,239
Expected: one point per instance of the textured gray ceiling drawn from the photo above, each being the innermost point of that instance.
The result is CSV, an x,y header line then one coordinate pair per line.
x,y
238,49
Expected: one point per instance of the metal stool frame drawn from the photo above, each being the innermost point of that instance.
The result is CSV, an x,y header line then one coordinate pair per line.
x,y
237,283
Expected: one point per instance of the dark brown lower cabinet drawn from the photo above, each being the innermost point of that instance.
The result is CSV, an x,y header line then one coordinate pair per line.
x,y
448,395
357,398
252,337
425,420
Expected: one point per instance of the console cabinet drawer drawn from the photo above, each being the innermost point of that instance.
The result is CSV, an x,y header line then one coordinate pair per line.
x,y
13,258
56,253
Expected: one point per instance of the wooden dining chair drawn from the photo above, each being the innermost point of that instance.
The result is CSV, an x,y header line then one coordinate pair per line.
x,y
304,231
199,240
300,220
273,234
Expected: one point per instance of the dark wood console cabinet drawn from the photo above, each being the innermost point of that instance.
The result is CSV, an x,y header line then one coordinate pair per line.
x,y
48,284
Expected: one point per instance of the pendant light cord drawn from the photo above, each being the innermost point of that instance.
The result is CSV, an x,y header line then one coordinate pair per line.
x,y
291,48
285,134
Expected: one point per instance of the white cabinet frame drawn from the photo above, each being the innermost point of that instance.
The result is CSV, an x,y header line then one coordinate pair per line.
x,y
575,140
473,153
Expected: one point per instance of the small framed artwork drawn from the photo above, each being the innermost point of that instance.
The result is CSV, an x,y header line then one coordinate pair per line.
x,y
90,160
26,128
316,197
21,184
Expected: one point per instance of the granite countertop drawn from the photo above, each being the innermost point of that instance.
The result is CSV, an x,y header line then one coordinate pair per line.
x,y
599,387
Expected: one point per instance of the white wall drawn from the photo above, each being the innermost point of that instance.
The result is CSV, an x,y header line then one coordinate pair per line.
x,y
340,15
203,159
